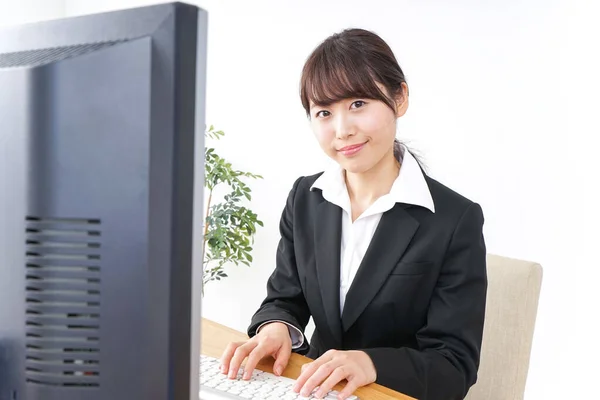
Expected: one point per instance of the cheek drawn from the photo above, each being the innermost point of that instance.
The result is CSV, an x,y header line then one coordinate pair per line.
x,y
324,136
379,128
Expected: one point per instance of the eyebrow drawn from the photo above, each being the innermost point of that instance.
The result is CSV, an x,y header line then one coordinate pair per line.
x,y
313,104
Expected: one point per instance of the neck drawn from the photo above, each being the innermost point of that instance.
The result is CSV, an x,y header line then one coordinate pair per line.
x,y
366,187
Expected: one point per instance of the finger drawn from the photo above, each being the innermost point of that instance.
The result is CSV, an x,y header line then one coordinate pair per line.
x,y
338,375
254,358
228,354
282,358
318,377
238,356
348,390
307,371
310,368
304,366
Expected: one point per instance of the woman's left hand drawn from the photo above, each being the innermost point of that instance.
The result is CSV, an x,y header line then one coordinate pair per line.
x,y
333,367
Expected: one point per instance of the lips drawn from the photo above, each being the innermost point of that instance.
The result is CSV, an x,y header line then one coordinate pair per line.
x,y
352,147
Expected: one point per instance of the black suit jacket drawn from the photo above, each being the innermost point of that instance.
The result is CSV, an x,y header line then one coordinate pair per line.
x,y
417,303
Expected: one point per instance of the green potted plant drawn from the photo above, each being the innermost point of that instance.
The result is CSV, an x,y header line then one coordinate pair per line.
x,y
229,226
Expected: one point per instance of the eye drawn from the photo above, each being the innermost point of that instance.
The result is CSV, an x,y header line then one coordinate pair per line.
x,y
359,103
322,111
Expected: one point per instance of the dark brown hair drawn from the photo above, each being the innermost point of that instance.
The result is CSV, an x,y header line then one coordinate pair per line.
x,y
349,64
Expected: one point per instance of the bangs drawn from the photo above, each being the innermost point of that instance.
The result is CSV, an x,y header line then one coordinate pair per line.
x,y
331,75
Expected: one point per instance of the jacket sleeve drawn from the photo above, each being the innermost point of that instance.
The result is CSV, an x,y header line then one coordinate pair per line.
x,y
285,300
445,364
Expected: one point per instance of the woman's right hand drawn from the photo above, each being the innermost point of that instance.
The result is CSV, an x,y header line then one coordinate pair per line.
x,y
273,339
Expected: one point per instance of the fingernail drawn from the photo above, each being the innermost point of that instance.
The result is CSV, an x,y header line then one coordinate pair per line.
x,y
305,392
278,370
223,368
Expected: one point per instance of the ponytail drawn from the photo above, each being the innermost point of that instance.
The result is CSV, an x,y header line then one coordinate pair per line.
x,y
398,150
399,154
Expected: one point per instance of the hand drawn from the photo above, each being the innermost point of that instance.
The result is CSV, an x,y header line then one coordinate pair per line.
x,y
333,367
273,339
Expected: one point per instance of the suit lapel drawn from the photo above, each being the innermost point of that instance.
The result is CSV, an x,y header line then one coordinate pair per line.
x,y
328,233
392,236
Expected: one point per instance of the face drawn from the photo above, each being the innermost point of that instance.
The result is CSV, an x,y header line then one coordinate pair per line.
x,y
357,133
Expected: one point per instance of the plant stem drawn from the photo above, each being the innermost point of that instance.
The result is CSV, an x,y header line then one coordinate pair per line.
x,y
204,237
206,226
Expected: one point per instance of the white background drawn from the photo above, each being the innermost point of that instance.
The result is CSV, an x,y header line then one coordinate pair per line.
x,y
24,11
503,109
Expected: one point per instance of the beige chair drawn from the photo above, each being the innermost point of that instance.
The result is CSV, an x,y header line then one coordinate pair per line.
x,y
512,301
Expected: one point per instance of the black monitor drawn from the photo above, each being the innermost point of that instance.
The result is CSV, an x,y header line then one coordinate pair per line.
x,y
100,117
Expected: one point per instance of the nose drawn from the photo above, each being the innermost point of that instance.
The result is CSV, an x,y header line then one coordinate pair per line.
x,y
344,128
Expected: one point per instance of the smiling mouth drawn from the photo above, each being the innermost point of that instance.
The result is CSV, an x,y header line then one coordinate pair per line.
x,y
351,149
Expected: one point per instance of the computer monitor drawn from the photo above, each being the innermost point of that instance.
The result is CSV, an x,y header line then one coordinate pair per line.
x,y
100,119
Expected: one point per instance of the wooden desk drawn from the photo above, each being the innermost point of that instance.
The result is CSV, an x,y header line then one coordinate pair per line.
x,y
215,338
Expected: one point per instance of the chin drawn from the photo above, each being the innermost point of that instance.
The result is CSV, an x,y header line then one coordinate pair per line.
x,y
355,167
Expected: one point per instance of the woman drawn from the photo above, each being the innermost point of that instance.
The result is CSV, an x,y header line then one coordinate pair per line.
x,y
389,262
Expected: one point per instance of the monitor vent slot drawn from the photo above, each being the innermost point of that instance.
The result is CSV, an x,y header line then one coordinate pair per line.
x,y
34,58
63,302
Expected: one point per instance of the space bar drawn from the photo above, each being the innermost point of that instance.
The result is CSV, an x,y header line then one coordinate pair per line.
x,y
208,393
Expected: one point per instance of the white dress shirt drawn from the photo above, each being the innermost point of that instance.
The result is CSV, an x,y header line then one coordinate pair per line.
x,y
409,187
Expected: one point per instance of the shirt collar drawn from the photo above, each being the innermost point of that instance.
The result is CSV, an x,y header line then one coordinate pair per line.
x,y
410,186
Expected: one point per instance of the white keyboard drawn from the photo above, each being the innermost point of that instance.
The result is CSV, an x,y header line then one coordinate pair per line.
x,y
262,385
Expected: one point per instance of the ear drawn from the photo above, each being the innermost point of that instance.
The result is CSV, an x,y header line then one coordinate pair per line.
x,y
402,101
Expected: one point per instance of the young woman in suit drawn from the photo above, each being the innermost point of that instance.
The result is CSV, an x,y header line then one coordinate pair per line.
x,y
390,263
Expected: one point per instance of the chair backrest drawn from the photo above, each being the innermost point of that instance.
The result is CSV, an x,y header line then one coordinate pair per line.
x,y
511,309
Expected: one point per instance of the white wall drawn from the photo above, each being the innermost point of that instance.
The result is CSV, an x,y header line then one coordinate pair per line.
x,y
13,12
503,105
